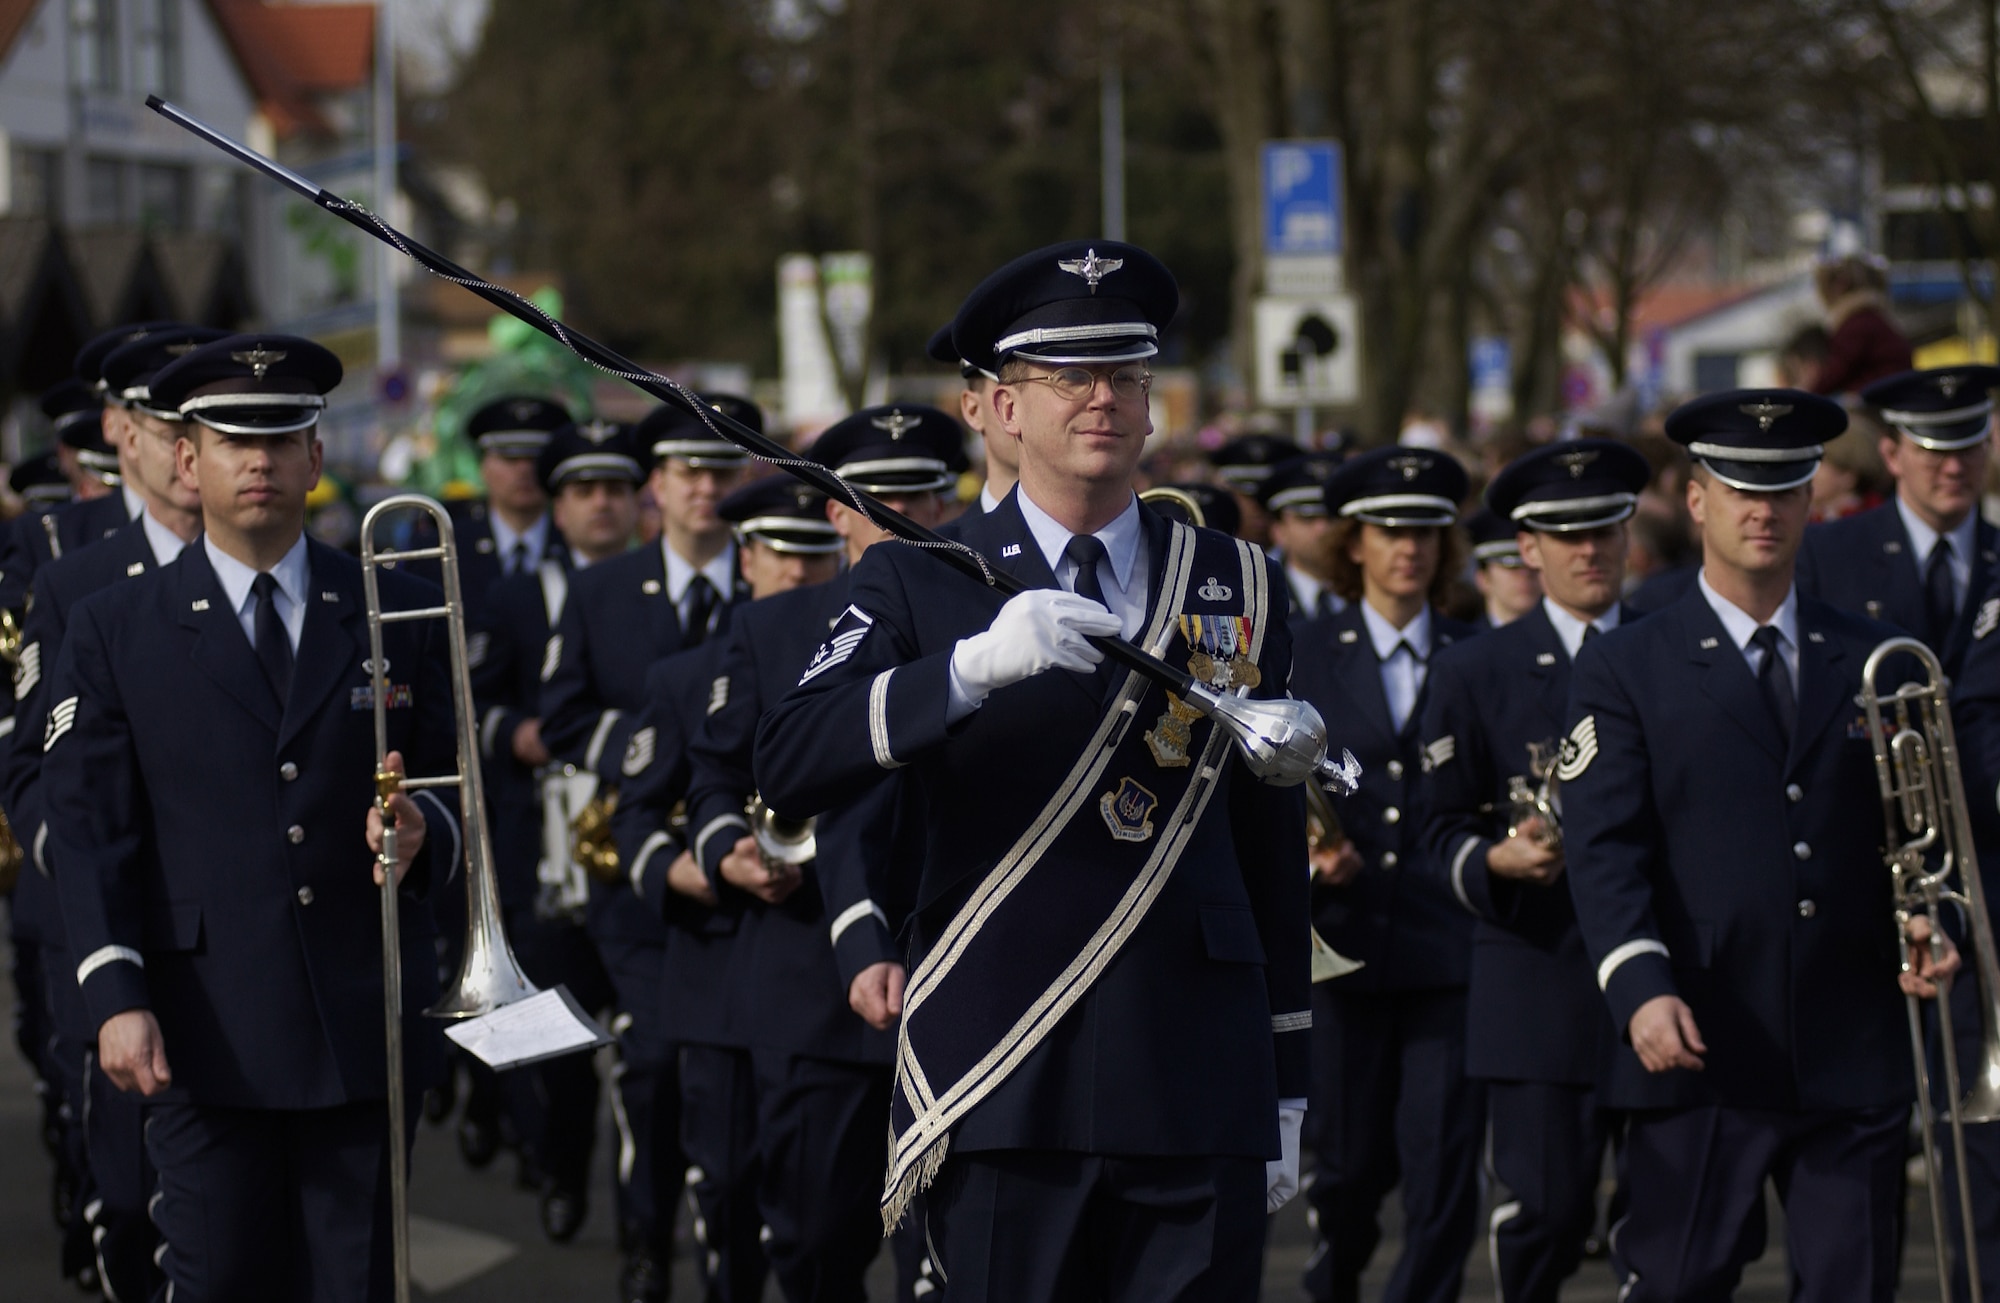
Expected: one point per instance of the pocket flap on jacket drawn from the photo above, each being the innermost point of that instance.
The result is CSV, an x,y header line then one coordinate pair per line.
x,y
1230,932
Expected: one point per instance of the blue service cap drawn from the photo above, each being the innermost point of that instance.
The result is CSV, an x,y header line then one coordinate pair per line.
x,y
1758,440
784,514
127,371
1943,408
1245,462
1083,302
902,448
1398,487
518,425
1298,484
671,431
250,384
39,481
590,450
1565,487
1206,505
76,412
89,365
941,349
1495,541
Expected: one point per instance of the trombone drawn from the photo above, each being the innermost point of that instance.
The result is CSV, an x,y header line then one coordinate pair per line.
x,y
488,975
1929,840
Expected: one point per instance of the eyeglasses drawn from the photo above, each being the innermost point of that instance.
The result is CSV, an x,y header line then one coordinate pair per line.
x,y
1074,382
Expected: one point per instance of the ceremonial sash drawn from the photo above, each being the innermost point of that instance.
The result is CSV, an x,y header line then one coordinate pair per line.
x,y
1031,940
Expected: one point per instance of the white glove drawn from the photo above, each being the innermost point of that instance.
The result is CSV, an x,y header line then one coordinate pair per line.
x,y
1041,629
1281,1177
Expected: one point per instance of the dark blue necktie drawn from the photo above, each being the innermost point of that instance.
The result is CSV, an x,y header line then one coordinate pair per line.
x,y
1940,599
274,645
1774,680
702,600
1087,551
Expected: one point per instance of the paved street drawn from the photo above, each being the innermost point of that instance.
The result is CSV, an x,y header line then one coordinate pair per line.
x,y
476,1238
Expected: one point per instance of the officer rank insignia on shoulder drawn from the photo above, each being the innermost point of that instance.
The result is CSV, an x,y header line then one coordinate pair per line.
x,y
848,631
1578,750
1988,617
1128,811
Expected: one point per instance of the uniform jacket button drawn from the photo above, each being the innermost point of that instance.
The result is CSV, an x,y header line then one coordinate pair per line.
x,y
1389,860
305,895
295,834
1392,815
1801,851
1395,768
1807,909
1793,792
288,771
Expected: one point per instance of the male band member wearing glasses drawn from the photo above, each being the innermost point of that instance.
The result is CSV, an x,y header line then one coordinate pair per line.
x,y
1103,1034
1723,830
208,769
1535,1026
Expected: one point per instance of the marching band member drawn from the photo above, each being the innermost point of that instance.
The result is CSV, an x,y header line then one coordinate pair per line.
x,y
590,475
1390,1095
1508,587
975,408
712,993
1102,1062
621,615
1536,1030
1723,833
1243,465
1294,500
231,955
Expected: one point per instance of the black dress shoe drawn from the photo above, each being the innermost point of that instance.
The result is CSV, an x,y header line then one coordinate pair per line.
x,y
642,1280
477,1141
563,1212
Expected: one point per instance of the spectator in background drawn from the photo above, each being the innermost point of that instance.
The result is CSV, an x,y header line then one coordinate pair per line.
x,y
1865,345
1802,356
1851,478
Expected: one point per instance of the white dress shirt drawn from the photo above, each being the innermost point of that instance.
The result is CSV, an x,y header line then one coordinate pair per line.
x,y
1963,539
986,499
1741,627
165,543
135,506
1570,629
292,573
1402,673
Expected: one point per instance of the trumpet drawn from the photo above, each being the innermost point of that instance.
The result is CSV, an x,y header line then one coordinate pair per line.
x,y
781,842
591,844
1537,795
488,975
1323,832
1929,842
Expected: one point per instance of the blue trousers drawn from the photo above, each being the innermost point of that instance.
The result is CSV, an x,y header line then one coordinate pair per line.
x,y
1032,1226
1391,1103
1548,1145
719,1136
1696,1216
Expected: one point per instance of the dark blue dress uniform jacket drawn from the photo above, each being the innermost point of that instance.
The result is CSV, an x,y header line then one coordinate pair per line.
x,y
1709,860
220,840
505,650
1173,1051
1866,564
705,997
616,622
1398,919
36,538
1533,1012
799,999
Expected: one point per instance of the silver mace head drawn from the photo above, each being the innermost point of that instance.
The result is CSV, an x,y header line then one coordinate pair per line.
x,y
1283,740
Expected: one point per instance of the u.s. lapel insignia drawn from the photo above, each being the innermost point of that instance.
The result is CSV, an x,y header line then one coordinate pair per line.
x,y
198,604
1348,636
1893,547
1128,811
1545,658
1011,549
650,588
136,568
1170,739
483,546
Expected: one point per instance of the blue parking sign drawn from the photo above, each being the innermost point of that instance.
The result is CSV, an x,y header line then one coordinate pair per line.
x,y
1302,181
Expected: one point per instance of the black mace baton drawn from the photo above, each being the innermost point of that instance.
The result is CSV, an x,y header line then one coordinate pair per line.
x,y
1282,740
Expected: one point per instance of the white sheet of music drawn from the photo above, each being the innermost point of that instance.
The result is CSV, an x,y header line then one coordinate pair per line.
x,y
542,1026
